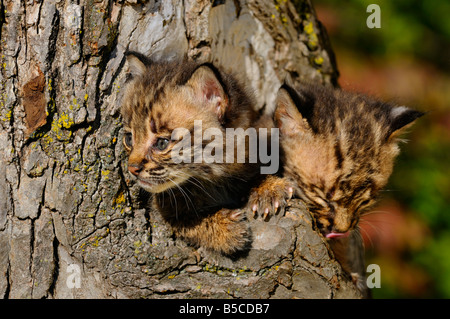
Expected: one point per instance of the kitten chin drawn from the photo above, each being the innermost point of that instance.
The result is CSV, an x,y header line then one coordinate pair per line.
x,y
156,187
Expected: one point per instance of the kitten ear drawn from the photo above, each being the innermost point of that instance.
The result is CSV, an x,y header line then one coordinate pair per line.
x,y
208,89
137,63
287,117
402,118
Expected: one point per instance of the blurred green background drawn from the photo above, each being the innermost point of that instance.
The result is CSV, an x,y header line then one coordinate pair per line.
x,y
407,61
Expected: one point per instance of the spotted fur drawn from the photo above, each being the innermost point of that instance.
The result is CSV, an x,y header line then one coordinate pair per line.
x,y
338,149
199,200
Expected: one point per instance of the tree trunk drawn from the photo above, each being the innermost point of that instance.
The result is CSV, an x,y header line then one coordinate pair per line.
x,y
71,223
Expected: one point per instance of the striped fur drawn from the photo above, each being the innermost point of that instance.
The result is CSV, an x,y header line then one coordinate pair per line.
x,y
199,200
338,149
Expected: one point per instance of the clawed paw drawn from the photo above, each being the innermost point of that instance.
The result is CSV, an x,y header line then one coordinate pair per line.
x,y
271,197
230,231
225,232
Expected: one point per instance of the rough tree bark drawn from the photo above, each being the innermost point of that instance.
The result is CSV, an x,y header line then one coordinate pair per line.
x,y
66,203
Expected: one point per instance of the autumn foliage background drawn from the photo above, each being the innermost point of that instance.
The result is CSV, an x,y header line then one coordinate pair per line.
x,y
407,60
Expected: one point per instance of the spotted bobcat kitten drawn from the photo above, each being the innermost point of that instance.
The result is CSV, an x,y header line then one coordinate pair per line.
x,y
199,200
338,152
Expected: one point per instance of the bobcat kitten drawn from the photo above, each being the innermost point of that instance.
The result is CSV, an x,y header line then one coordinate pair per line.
x,y
199,200
338,152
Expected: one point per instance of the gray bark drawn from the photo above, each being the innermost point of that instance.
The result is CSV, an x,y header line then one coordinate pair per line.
x,y
66,201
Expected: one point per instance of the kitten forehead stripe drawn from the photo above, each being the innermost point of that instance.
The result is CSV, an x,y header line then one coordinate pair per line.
x,y
338,154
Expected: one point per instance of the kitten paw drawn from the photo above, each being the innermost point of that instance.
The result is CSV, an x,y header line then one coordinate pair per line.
x,y
225,232
232,232
271,197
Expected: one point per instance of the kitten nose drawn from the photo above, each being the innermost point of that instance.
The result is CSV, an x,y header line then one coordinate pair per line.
x,y
135,169
340,228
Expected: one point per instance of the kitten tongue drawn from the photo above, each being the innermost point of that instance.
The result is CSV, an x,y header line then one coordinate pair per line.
x,y
337,235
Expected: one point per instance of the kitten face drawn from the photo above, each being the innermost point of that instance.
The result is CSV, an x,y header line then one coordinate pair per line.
x,y
148,139
160,98
339,148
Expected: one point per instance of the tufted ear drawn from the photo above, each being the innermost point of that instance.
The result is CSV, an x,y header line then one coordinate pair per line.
x,y
402,117
137,63
209,90
287,116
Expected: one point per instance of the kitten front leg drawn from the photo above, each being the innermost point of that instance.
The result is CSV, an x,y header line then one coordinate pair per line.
x,y
271,196
225,231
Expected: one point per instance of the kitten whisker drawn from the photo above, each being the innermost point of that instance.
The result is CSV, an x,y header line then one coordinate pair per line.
x,y
378,212
194,181
367,236
189,177
372,212
357,231
185,195
378,230
176,205
389,190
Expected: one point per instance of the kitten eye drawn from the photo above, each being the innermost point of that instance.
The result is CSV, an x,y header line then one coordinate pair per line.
x,y
162,143
128,140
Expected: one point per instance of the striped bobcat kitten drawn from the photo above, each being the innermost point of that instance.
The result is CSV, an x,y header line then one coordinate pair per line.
x,y
338,152
199,200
